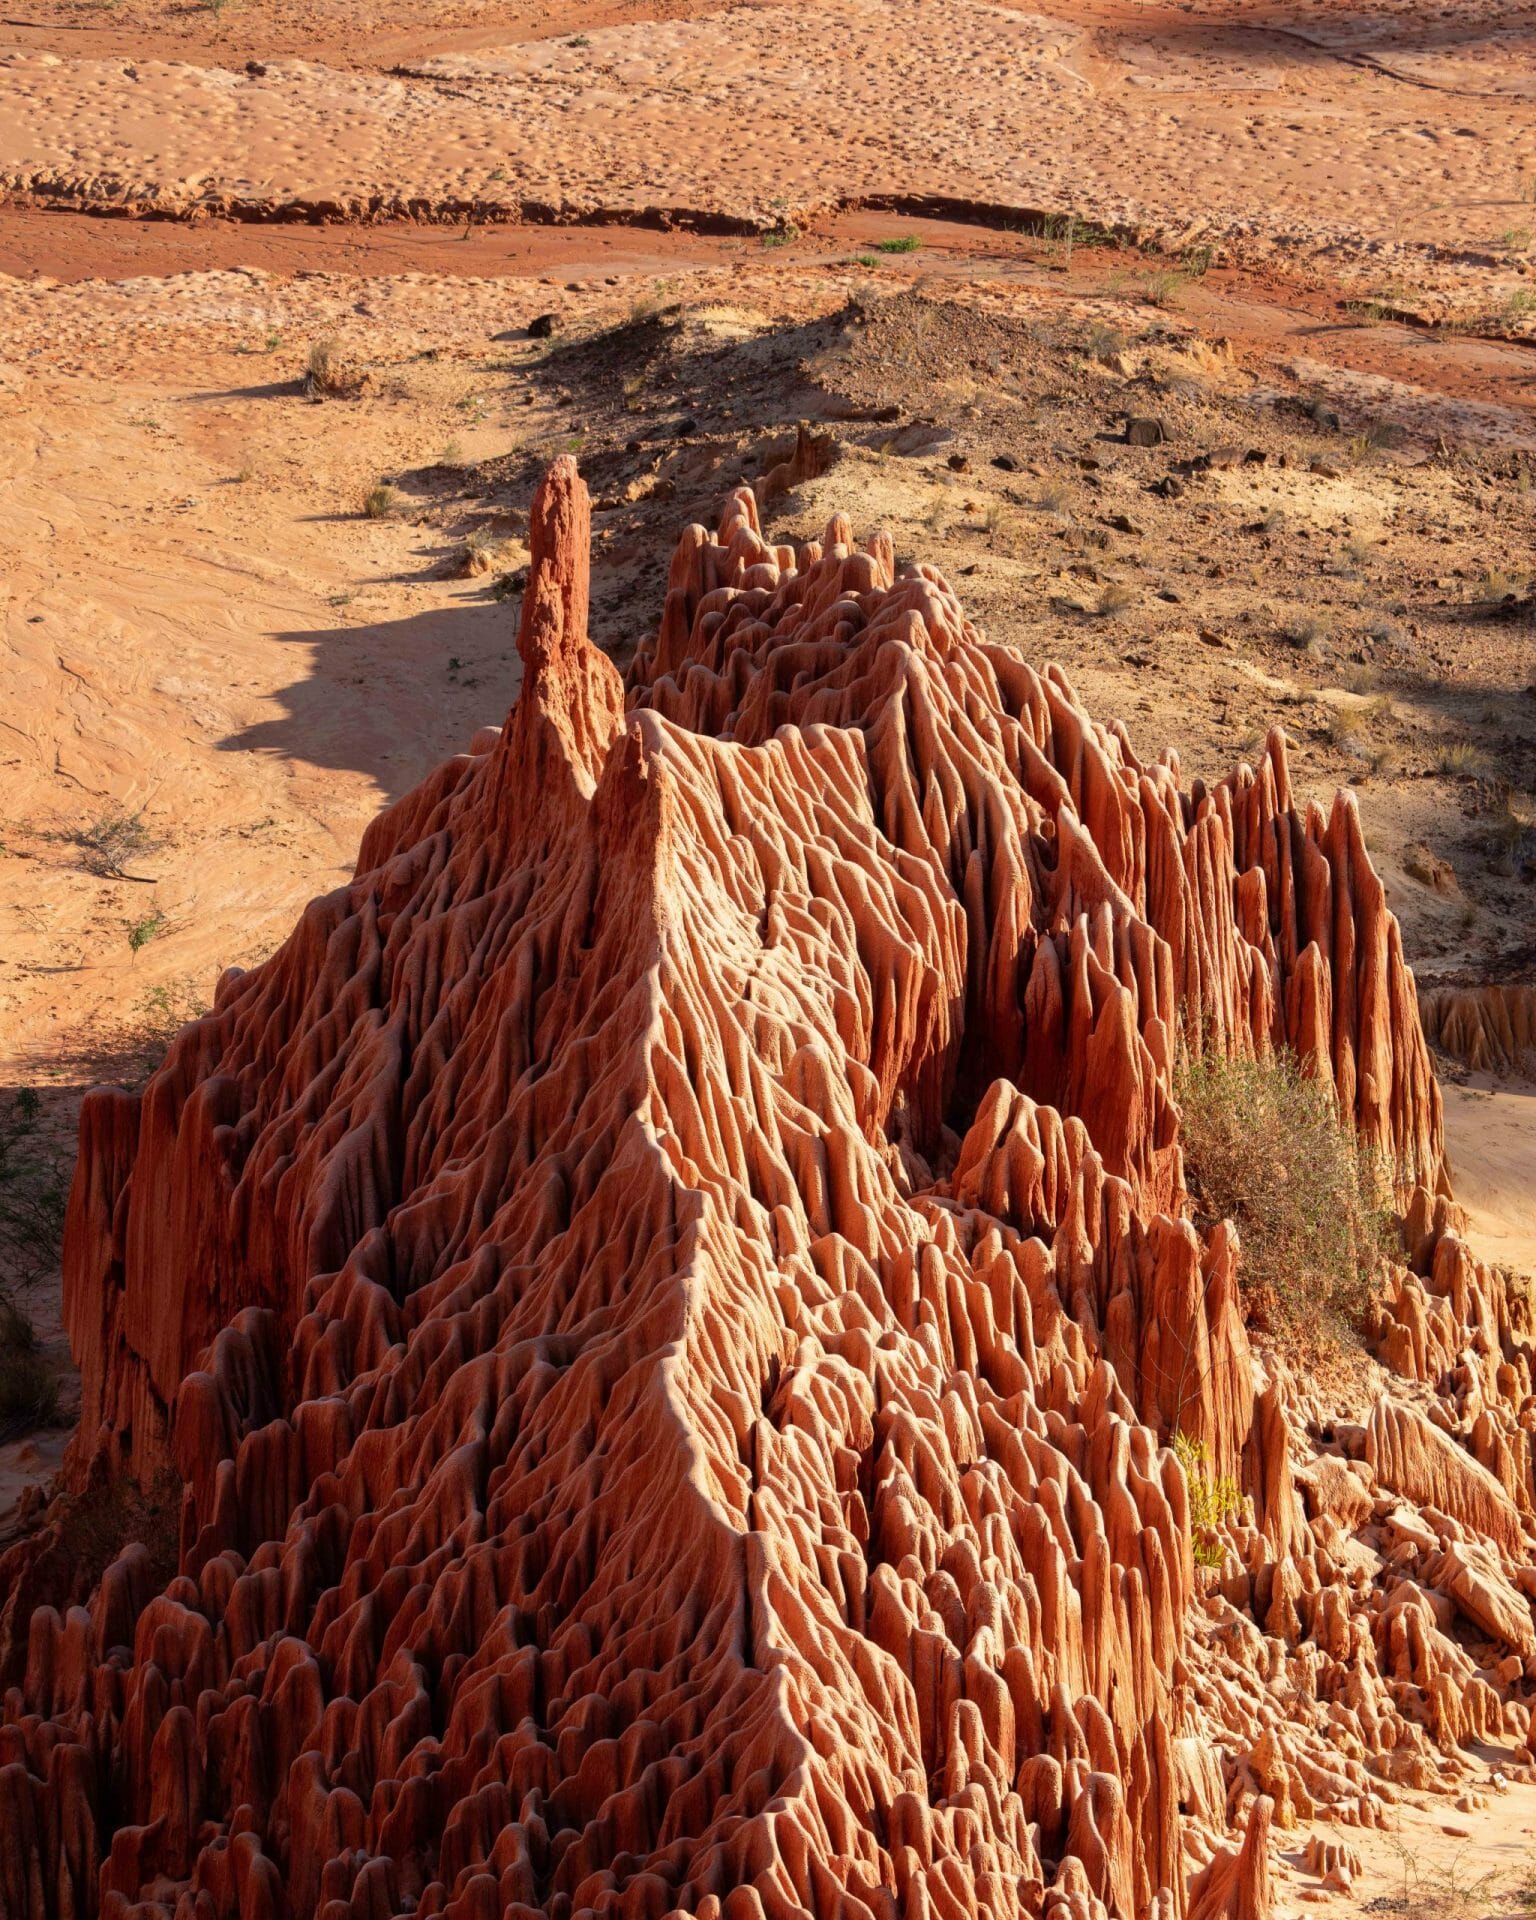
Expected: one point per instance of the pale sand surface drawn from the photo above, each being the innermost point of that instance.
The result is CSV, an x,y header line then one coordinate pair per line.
x,y
1490,1130
1437,1861
1255,134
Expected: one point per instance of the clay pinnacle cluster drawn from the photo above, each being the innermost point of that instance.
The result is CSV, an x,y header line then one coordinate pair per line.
x,y
668,1300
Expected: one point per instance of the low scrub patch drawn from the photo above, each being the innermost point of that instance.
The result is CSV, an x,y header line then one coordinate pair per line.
x,y
1265,1148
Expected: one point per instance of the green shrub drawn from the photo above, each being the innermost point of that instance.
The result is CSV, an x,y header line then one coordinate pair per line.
x,y
1213,1500
1265,1147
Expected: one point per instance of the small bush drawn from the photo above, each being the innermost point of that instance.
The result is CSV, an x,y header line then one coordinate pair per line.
x,y
379,502
903,243
1496,584
1511,835
1103,342
96,1525
1162,289
1213,1500
1352,729
127,1052
33,1190
1265,1148
111,841
328,374
141,932
29,1388
1309,633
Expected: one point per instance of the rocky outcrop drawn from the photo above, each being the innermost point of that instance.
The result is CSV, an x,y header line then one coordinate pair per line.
x,y
1490,1028
669,1299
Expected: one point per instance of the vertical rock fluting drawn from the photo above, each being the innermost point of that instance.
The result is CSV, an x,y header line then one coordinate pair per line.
x,y
668,1300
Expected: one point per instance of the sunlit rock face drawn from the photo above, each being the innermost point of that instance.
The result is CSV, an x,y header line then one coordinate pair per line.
x,y
668,1299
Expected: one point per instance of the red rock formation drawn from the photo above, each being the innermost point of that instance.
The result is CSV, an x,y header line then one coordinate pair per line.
x,y
668,1298
1490,1028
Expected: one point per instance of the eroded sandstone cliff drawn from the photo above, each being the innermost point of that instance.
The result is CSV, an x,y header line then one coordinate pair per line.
x,y
669,1298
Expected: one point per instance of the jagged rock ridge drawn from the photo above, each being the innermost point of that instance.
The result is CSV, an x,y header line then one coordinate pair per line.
x,y
668,1298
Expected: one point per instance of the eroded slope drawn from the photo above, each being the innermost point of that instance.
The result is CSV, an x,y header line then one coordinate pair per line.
x,y
669,1296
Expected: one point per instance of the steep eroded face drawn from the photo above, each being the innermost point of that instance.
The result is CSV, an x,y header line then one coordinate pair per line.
x,y
669,1298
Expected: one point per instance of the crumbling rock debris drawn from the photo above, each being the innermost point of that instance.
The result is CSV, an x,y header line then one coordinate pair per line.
x,y
669,1297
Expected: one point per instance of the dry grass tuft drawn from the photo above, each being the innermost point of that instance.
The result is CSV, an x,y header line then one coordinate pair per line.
x,y
1460,760
329,374
1113,598
1265,1147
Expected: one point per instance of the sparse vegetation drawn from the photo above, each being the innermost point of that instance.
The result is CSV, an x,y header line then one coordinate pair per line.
x,y
1459,760
1377,435
1496,584
781,236
1054,496
97,1524
1213,1500
1103,342
29,1388
379,502
478,551
1309,633
1511,834
111,840
1358,730
903,243
33,1190
1266,1148
328,373
141,932
127,1051
1441,1891
1162,289
1113,598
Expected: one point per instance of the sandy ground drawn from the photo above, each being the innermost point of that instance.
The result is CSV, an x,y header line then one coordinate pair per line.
x,y
1471,1859
1490,1129
1340,135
